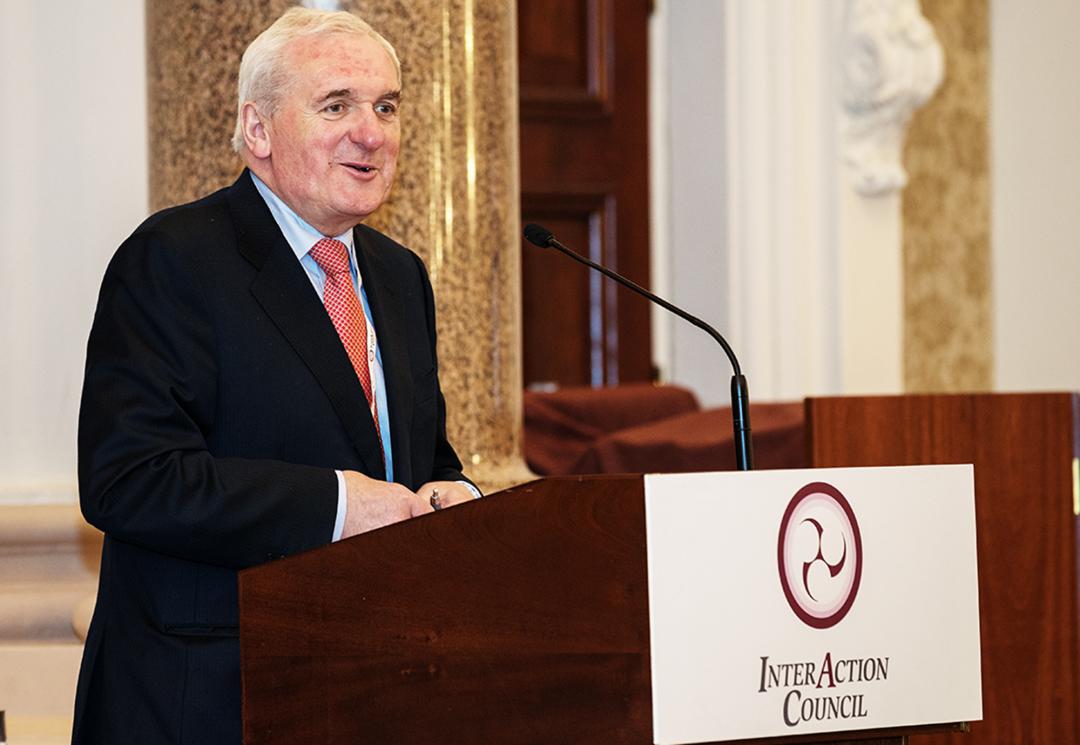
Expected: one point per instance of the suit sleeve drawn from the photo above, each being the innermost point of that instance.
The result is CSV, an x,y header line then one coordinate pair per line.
x,y
146,473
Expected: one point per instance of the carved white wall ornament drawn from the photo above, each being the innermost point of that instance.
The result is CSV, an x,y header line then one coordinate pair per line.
x,y
891,63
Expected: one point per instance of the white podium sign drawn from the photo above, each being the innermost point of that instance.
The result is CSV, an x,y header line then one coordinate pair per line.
x,y
793,602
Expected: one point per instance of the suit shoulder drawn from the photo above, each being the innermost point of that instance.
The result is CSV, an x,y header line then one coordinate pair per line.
x,y
192,233
184,239
186,223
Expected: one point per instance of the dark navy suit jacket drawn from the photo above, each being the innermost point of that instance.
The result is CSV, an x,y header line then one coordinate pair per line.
x,y
217,401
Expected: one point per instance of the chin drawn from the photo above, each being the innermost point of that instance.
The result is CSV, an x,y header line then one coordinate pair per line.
x,y
361,212
362,208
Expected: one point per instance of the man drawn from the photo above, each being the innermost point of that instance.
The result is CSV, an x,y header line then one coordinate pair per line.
x,y
261,379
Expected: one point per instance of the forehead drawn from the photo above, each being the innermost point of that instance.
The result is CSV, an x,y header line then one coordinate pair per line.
x,y
339,61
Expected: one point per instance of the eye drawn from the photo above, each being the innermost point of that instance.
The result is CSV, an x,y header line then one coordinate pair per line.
x,y
335,109
386,108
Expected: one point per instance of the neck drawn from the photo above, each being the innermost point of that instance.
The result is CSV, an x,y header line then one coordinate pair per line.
x,y
266,175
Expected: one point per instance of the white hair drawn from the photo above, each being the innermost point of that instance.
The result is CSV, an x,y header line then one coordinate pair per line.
x,y
263,74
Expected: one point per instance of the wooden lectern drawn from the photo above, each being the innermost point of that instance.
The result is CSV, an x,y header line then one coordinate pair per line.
x,y
519,618
1027,497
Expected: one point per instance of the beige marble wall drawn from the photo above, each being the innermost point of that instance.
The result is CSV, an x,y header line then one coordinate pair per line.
x,y
456,198
193,52
948,343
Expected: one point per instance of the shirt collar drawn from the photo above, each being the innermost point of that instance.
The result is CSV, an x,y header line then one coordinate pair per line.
x,y
299,234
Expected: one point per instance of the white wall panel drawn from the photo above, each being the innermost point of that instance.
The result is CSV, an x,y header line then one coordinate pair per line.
x,y
1035,162
763,228
72,186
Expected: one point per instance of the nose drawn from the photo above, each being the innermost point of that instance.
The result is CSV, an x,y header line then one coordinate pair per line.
x,y
367,130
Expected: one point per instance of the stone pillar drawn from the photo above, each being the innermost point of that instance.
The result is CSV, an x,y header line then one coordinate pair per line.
x,y
456,197
948,307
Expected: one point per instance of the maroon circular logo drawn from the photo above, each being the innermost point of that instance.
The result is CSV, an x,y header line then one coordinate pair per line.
x,y
820,555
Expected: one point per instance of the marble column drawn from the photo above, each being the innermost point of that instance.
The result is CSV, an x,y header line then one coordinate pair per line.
x,y
948,306
456,197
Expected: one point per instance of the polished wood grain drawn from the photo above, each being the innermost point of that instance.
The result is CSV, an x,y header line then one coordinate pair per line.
x,y
520,618
583,71
1023,447
568,330
563,50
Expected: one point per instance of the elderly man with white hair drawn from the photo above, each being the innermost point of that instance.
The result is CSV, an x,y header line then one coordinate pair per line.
x,y
261,379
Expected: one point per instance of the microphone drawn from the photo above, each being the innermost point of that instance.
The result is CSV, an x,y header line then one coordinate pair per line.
x,y
740,396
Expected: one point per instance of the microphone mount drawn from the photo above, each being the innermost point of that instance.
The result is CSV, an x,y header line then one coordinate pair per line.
x,y
740,396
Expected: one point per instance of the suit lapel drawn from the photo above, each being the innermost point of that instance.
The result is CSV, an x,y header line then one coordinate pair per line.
x,y
284,291
384,299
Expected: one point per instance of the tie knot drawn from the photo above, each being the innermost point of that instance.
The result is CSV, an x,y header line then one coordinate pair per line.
x,y
331,255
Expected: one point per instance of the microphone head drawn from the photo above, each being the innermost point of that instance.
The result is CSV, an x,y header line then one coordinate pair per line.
x,y
538,235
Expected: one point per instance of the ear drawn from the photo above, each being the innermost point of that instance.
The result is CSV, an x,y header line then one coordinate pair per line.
x,y
256,133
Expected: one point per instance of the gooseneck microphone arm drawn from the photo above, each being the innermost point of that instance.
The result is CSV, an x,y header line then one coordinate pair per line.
x,y
740,396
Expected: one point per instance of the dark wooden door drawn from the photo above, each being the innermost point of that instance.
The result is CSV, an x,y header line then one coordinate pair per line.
x,y
584,175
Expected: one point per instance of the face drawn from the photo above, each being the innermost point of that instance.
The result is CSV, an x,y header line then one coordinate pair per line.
x,y
331,147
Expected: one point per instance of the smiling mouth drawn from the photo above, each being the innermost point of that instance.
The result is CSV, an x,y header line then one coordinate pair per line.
x,y
360,168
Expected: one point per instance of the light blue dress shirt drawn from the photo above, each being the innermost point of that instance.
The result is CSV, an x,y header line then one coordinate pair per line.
x,y
301,238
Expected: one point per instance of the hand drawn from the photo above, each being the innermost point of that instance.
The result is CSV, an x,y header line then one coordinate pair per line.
x,y
450,492
372,504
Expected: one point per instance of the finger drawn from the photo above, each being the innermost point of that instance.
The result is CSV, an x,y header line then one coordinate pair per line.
x,y
420,505
457,494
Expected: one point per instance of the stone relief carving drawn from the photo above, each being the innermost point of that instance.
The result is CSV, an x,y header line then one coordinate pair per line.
x,y
891,63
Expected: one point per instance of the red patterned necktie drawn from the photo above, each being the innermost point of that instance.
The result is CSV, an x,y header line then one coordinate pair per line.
x,y
345,311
